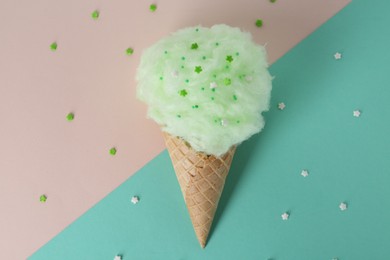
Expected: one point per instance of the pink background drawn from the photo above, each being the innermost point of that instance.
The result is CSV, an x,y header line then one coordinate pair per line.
x,y
90,75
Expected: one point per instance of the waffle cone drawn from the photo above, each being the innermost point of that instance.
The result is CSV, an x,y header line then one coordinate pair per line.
x,y
201,178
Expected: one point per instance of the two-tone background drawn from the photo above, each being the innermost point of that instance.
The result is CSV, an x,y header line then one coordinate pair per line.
x,y
90,75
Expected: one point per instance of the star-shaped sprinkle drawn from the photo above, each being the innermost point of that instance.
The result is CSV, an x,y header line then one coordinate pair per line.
x,y
129,51
285,216
183,92
175,74
194,46
229,58
213,85
259,23
227,81
53,46
95,14
43,198
224,122
118,257
198,69
113,151
305,173
153,7
337,55
343,206
356,113
70,117
135,199
281,106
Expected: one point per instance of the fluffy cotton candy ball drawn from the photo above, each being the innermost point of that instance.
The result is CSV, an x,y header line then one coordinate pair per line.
x,y
206,85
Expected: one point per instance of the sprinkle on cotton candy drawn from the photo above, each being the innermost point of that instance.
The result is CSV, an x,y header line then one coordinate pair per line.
x,y
215,86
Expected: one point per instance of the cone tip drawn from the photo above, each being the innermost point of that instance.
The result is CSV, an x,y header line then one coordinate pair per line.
x,y
202,241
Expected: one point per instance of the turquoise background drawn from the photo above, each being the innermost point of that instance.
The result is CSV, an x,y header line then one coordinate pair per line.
x,y
347,158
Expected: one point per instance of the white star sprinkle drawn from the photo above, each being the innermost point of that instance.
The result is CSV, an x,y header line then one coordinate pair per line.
x,y
118,257
343,206
281,106
285,216
305,173
356,113
213,85
337,55
134,200
175,73
224,122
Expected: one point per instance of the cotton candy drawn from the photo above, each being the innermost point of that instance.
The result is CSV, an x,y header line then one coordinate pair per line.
x,y
208,86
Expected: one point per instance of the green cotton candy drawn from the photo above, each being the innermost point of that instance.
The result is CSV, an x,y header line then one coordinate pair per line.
x,y
219,89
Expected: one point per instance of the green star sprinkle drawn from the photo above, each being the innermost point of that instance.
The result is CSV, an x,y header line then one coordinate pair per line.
x,y
198,69
129,51
43,198
187,81
194,46
234,97
179,116
70,117
166,52
183,92
197,29
212,98
202,89
95,15
183,58
237,54
229,58
204,57
113,151
53,46
259,23
153,7
217,44
161,78
196,106
238,121
227,81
